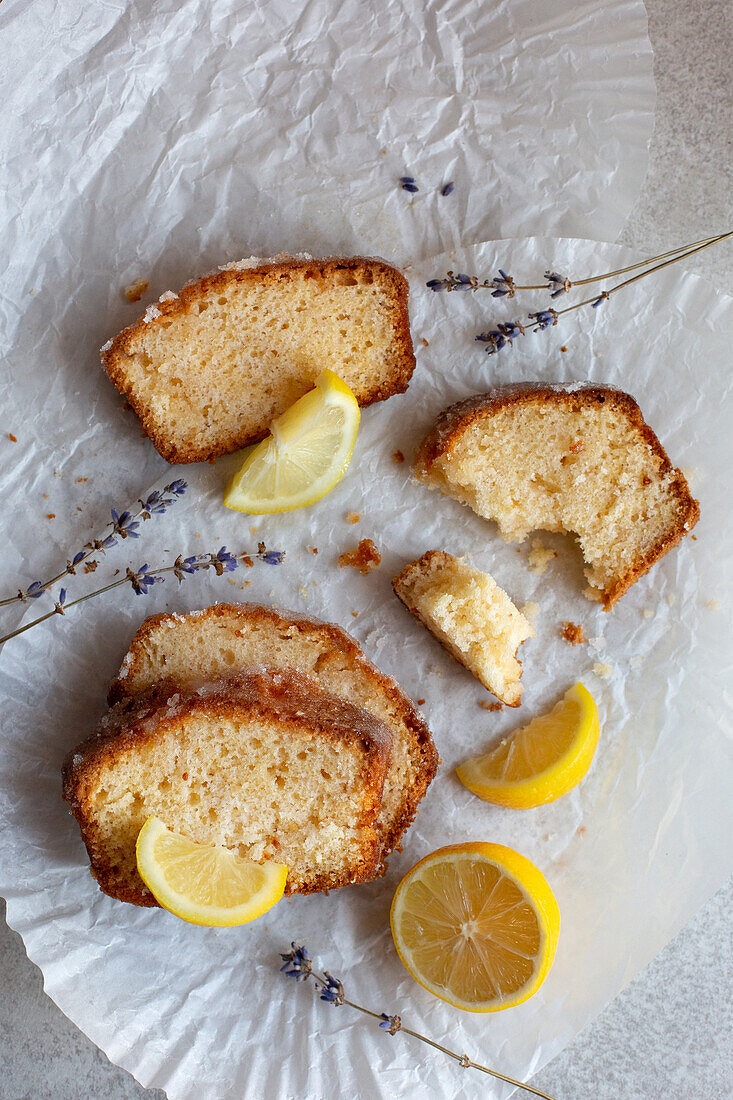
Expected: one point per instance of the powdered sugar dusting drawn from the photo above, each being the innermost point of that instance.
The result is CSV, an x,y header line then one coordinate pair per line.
x,y
125,666
260,261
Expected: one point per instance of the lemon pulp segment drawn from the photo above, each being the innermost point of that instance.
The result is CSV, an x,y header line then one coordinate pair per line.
x,y
305,455
477,925
205,884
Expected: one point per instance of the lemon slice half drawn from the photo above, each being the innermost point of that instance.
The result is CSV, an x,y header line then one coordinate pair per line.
x,y
477,925
305,455
205,884
541,761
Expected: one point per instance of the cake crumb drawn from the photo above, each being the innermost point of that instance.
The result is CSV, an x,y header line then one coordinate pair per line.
x,y
530,610
352,517
581,831
427,345
365,557
90,566
50,515
312,549
713,605
247,584
12,438
355,614
303,591
490,706
80,479
135,291
602,670
254,530
398,456
540,556
419,702
563,348
671,599
648,613
572,633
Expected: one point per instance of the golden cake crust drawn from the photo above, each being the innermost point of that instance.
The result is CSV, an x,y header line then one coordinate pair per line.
x,y
114,354
281,696
339,649
454,421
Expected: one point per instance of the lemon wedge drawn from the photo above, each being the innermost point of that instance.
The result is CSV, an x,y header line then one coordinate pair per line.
x,y
477,925
205,884
305,455
541,761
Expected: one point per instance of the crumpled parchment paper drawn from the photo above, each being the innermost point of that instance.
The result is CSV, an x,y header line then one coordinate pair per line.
x,y
157,140
630,854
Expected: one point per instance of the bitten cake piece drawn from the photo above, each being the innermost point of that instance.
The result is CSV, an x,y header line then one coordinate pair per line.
x,y
576,458
207,370
265,762
471,616
214,641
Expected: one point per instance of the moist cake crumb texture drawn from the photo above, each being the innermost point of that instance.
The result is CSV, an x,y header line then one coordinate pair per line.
x,y
209,369
471,616
576,458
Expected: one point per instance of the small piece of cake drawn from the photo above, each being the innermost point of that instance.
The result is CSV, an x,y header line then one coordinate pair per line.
x,y
219,639
573,633
471,616
575,459
265,762
365,557
207,370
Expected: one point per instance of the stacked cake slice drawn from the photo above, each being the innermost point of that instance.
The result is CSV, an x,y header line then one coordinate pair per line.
x,y
257,729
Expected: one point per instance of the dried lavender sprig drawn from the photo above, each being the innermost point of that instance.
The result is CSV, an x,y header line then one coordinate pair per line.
x,y
145,577
548,318
558,284
298,965
123,525
501,286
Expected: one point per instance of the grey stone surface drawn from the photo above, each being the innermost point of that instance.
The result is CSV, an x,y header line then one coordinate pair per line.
x,y
687,193
669,1033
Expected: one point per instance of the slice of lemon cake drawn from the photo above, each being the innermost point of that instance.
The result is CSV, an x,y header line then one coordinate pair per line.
x,y
208,369
471,616
265,762
576,458
224,637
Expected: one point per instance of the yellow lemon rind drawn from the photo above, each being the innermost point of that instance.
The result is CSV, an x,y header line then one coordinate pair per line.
x,y
547,786
539,894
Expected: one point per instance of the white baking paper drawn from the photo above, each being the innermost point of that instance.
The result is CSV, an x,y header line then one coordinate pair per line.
x,y
159,139
630,854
